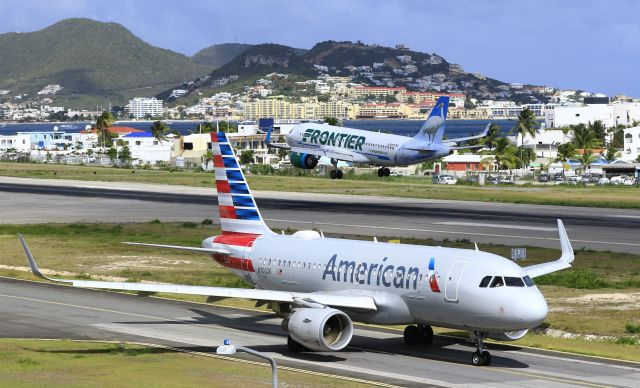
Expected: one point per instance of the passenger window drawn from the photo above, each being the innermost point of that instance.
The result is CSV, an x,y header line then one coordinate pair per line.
x,y
513,282
497,282
528,281
485,281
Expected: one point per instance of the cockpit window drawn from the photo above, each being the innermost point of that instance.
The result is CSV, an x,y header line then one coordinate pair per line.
x,y
513,282
497,282
485,281
528,281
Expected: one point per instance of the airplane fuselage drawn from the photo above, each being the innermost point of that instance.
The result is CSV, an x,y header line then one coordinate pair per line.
x,y
410,283
376,148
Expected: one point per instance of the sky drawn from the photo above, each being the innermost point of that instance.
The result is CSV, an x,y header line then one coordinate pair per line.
x,y
591,45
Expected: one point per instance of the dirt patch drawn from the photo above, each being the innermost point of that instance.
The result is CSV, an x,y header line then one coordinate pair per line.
x,y
120,262
609,301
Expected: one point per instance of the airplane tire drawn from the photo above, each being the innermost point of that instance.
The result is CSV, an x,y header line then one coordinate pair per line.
x,y
476,359
411,335
294,346
386,171
332,174
486,358
339,174
380,172
426,335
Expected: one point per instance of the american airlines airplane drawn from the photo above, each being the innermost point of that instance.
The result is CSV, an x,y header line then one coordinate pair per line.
x,y
310,141
321,285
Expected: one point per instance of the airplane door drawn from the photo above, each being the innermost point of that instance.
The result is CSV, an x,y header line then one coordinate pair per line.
x,y
453,279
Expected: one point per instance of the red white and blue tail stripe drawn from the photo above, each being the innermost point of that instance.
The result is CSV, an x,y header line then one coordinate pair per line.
x,y
238,210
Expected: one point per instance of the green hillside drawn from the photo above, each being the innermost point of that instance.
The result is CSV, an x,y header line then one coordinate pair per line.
x,y
219,54
90,59
262,59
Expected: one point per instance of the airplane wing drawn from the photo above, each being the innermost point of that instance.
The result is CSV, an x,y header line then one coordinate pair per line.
x,y
563,262
461,139
364,303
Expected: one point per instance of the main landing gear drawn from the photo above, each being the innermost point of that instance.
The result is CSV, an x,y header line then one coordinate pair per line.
x,y
480,356
421,334
335,173
383,171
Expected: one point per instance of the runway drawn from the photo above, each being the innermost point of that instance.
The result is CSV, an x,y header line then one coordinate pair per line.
x,y
37,310
36,201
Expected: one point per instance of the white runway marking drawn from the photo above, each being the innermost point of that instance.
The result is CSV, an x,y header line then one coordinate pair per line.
x,y
503,226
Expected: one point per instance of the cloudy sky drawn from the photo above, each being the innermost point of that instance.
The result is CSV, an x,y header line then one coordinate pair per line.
x,y
592,45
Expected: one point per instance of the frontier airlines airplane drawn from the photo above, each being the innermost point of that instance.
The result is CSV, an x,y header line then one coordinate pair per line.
x,y
320,285
310,141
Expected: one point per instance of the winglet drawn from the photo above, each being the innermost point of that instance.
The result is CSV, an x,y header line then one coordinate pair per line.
x,y
565,244
31,260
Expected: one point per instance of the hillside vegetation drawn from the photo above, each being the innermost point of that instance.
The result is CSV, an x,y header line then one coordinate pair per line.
x,y
90,58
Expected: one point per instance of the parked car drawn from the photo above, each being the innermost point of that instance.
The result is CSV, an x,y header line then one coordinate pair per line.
x,y
448,180
574,180
494,180
559,180
543,178
603,181
622,180
507,180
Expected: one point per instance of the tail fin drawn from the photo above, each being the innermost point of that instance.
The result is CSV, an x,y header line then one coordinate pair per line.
x,y
432,130
238,210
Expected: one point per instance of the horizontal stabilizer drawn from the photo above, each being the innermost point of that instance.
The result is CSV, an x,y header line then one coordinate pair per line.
x,y
461,139
219,250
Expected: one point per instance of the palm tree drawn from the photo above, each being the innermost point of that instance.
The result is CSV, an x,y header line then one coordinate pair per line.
x,y
584,137
103,123
586,159
566,151
527,155
492,135
159,130
599,130
526,124
506,153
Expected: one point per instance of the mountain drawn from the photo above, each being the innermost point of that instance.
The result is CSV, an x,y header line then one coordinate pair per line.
x,y
219,54
90,59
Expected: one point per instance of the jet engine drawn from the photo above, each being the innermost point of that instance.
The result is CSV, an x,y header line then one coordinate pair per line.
x,y
320,329
508,336
304,161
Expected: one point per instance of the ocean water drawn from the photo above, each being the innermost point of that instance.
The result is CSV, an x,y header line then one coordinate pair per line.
x,y
455,128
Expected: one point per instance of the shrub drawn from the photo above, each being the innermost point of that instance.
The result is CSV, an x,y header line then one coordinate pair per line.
x,y
574,279
207,221
627,341
632,328
189,224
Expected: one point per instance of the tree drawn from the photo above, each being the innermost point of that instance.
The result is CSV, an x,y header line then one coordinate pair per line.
x,y
247,157
159,130
617,140
599,130
103,123
506,153
125,156
526,155
526,124
612,153
389,99
584,137
112,153
492,135
468,104
332,121
586,159
566,151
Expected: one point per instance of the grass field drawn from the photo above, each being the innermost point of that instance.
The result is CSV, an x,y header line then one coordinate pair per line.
x,y
411,187
599,297
61,363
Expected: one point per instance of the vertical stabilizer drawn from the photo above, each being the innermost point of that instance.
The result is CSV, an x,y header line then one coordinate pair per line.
x,y
238,210
432,130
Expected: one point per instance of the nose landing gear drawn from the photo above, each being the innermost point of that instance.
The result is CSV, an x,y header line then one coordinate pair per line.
x,y
480,357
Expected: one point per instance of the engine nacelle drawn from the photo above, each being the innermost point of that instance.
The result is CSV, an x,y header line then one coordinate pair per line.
x,y
304,161
320,329
508,336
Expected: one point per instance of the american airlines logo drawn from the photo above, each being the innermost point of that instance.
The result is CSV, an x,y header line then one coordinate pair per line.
x,y
384,274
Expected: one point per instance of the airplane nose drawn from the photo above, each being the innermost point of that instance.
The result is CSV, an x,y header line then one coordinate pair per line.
x,y
534,311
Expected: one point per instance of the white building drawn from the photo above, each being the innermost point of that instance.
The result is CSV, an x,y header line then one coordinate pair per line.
x,y
145,148
610,114
7,142
631,149
139,107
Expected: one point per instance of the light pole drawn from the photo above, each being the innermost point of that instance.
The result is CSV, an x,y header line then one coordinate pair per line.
x,y
228,349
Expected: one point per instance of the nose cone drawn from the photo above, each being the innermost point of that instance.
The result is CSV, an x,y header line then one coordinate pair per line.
x,y
533,311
